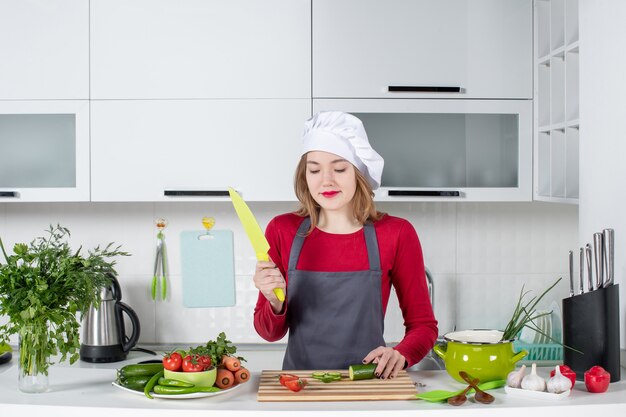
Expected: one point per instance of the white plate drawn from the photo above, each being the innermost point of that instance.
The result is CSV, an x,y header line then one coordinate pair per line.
x,y
536,395
179,396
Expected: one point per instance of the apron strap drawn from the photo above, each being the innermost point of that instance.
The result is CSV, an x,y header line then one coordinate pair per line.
x,y
371,242
298,241
372,246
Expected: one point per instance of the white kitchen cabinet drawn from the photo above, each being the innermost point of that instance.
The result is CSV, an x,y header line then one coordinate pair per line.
x,y
44,49
556,123
447,150
189,49
364,48
44,150
195,149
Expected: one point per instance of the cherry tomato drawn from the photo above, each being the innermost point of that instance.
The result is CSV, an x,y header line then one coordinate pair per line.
x,y
567,372
205,361
172,361
191,364
597,379
295,385
283,378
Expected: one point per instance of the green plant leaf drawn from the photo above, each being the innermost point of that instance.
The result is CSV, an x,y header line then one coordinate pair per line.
x,y
42,287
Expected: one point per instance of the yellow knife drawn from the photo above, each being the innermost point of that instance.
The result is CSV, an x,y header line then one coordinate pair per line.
x,y
254,232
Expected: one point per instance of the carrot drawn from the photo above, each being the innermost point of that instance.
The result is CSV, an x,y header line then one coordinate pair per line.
x,y
242,375
231,363
225,378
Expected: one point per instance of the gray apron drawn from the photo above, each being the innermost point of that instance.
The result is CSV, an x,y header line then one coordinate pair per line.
x,y
335,318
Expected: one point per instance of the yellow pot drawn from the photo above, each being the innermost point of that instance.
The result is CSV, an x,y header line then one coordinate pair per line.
x,y
480,353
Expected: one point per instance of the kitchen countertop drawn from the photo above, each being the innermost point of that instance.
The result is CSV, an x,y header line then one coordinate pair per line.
x,y
85,389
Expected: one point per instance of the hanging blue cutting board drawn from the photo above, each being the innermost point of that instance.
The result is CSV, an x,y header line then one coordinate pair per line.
x,y
208,268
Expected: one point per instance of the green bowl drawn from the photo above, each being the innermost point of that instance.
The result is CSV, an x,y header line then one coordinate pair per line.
x,y
480,353
199,379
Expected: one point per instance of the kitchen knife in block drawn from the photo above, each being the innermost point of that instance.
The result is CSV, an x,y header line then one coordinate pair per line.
x,y
254,232
208,268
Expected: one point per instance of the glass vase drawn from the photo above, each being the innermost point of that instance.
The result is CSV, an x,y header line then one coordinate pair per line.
x,y
32,372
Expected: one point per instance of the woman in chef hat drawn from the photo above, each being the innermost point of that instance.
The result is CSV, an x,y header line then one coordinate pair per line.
x,y
336,258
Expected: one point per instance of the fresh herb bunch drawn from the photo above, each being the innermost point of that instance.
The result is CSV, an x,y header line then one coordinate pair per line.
x,y
216,349
525,314
45,288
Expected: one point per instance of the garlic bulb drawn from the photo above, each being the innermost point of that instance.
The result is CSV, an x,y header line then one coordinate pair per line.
x,y
559,383
514,379
533,381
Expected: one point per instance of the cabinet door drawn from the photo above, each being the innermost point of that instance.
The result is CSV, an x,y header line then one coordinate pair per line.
x,y
143,148
44,150
448,150
159,49
483,47
44,49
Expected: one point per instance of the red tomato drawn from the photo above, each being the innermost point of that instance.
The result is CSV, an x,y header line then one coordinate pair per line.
x,y
295,385
283,378
191,364
567,372
597,379
172,361
205,361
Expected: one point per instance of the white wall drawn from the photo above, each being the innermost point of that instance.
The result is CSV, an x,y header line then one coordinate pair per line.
x,y
602,115
479,253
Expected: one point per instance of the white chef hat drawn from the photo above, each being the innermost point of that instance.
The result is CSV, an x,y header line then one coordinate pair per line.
x,y
343,135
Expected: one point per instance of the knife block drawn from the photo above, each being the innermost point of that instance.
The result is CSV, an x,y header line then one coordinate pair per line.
x,y
591,325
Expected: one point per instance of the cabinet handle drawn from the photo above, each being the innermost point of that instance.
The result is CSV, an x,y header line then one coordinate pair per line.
x,y
195,193
423,89
9,194
422,193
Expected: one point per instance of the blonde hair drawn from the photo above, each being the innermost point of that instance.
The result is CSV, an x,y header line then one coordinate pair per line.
x,y
363,207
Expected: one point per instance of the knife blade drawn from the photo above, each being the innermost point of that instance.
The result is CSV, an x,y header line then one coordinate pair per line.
x,y
254,232
581,273
609,255
589,268
571,273
598,247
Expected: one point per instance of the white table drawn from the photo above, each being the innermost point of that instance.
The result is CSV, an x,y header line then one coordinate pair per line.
x,y
85,390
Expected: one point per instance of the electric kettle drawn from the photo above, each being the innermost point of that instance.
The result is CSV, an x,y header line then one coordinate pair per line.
x,y
103,336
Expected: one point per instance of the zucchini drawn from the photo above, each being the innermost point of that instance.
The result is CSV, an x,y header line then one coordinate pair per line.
x,y
139,369
360,371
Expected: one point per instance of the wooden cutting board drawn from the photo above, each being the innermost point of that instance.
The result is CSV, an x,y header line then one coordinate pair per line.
x,y
398,388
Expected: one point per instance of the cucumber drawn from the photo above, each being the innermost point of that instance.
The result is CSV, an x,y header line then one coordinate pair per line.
x,y
139,369
136,383
359,371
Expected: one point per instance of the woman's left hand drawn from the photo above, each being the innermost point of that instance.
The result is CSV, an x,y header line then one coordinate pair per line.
x,y
389,361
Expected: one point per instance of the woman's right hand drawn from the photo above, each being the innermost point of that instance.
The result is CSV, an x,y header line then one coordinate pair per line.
x,y
266,278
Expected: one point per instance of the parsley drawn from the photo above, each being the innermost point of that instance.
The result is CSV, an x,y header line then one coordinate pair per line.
x,y
44,289
216,349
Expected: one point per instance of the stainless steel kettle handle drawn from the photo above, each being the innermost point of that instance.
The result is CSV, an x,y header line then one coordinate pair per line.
x,y
134,337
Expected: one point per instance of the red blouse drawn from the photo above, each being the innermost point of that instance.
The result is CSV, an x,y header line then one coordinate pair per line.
x,y
402,266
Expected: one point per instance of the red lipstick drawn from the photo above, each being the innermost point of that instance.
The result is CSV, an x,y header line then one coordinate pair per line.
x,y
330,194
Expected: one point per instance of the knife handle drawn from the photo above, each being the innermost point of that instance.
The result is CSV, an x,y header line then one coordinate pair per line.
x,y
278,292
581,273
609,253
589,268
571,273
598,246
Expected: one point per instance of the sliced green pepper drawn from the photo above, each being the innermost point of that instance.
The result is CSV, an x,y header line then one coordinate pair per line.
x,y
326,377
